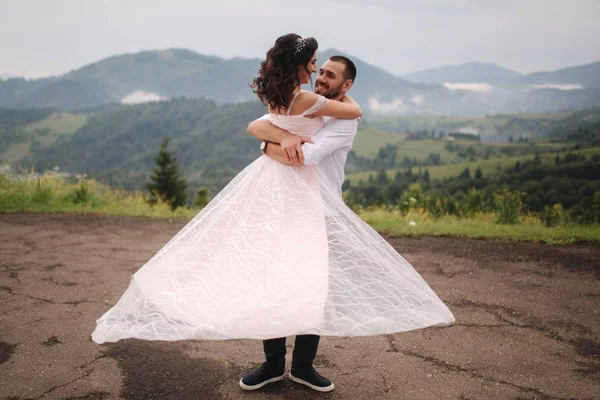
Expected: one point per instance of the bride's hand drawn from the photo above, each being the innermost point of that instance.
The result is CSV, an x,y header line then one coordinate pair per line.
x,y
292,148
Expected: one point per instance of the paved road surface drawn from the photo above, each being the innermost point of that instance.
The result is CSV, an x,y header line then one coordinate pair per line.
x,y
528,323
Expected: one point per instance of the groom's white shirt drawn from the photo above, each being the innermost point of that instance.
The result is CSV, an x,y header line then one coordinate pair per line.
x,y
330,149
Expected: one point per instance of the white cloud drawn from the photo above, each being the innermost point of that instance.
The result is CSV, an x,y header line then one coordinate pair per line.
x,y
470,87
139,96
418,99
469,130
382,107
559,86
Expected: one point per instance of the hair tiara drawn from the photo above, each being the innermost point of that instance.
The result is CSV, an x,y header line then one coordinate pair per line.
x,y
300,43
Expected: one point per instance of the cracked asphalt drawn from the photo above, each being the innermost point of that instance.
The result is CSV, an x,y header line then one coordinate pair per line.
x,y
528,323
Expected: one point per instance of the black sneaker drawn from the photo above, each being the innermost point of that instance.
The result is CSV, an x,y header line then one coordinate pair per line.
x,y
312,379
260,377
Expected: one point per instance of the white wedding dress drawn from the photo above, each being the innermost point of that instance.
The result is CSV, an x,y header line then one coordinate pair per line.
x,y
275,253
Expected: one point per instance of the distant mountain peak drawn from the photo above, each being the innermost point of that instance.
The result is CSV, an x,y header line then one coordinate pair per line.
x,y
473,71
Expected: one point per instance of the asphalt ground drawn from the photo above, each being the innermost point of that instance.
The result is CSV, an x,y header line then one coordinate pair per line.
x,y
528,323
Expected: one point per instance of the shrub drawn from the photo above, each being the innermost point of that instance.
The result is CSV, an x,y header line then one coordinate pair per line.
x,y
552,216
474,202
42,192
202,197
508,205
412,199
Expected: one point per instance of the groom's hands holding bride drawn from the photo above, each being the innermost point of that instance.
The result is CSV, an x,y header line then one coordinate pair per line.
x,y
291,146
284,147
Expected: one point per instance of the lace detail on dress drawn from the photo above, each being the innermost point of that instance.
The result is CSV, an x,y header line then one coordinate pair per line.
x,y
319,105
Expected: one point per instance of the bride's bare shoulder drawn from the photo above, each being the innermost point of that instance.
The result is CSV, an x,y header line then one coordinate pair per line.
x,y
304,101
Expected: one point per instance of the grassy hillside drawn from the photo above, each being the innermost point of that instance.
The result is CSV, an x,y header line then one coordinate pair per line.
x,y
369,140
498,127
488,167
41,134
58,123
117,144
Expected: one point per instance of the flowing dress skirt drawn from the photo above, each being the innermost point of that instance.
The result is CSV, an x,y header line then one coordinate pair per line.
x,y
275,253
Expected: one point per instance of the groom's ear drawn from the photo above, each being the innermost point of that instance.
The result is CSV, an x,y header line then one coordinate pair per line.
x,y
347,85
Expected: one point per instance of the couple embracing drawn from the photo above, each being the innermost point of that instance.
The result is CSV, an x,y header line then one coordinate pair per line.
x,y
277,252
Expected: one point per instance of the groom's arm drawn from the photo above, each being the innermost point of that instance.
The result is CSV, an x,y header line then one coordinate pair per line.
x,y
263,129
291,145
336,135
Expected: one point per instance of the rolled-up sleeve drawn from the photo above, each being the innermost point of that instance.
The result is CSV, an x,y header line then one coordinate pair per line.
x,y
336,135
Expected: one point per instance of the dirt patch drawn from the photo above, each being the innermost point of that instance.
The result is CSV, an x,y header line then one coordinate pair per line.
x,y
51,341
161,370
6,350
90,396
579,258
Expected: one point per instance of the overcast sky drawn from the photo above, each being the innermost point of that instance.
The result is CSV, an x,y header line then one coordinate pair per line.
x,y
49,37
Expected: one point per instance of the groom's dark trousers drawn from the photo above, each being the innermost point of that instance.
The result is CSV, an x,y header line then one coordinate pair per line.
x,y
305,351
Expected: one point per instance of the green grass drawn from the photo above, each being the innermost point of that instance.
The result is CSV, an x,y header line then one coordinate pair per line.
x,y
528,229
50,193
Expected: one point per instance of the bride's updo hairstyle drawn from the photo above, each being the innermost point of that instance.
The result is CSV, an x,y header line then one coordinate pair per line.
x,y
278,74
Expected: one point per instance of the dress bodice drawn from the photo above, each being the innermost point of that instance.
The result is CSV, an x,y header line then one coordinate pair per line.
x,y
301,125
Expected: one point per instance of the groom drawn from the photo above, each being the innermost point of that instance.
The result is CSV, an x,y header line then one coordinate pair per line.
x,y
329,148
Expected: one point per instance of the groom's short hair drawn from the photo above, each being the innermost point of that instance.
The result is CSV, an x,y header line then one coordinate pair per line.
x,y
350,71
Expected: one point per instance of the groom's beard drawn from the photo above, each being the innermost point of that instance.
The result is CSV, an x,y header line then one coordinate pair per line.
x,y
327,92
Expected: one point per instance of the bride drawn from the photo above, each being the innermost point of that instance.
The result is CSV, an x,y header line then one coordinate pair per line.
x,y
276,252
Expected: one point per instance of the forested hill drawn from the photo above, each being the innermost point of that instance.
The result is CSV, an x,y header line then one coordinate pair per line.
x,y
119,146
117,143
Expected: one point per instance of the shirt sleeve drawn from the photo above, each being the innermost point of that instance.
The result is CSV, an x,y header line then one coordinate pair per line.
x,y
329,139
265,117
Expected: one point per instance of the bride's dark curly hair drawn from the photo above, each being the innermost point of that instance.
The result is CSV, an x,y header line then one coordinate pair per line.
x,y
278,74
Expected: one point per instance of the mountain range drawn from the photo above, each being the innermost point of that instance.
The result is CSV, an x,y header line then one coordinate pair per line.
x,y
585,75
468,89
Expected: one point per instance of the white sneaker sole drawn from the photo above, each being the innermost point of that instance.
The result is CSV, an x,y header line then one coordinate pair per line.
x,y
247,387
310,385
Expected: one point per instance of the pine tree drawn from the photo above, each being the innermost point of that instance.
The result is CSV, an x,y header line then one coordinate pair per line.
x,y
166,182
478,173
426,176
202,197
382,177
466,174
